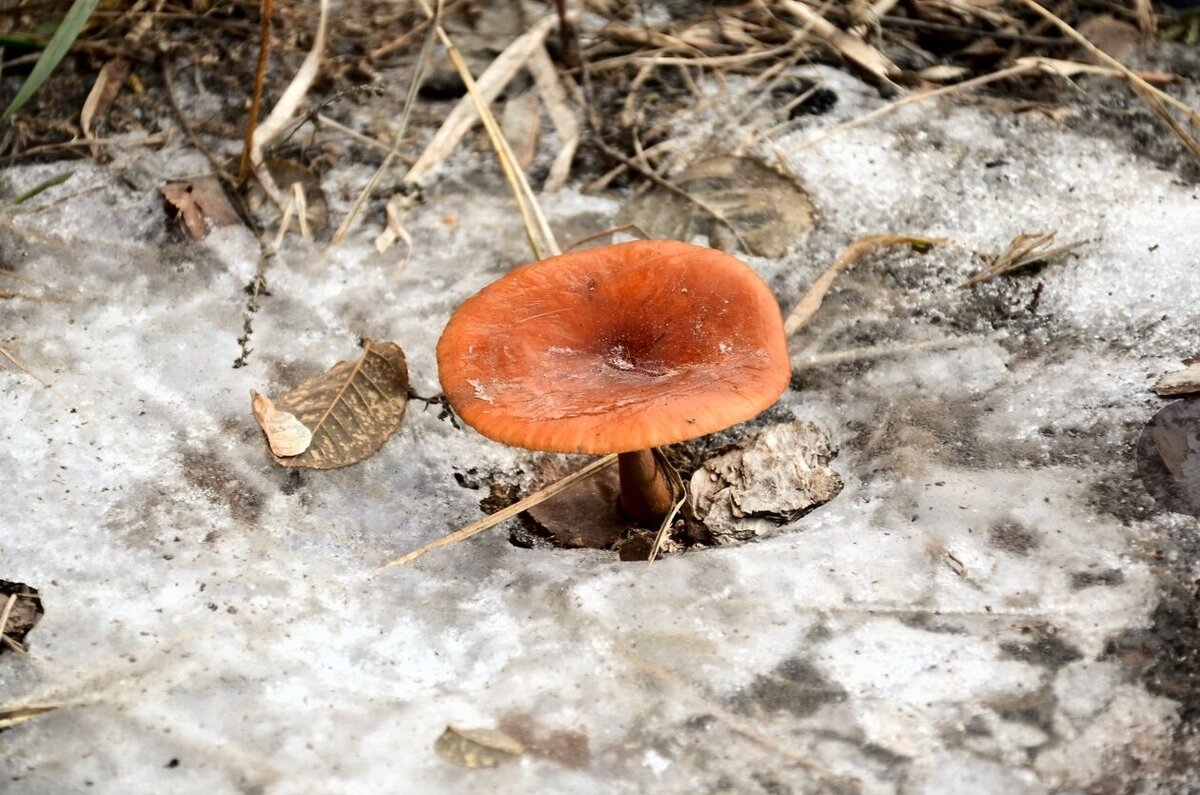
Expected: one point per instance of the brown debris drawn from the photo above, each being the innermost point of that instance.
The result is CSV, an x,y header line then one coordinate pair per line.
x,y
1180,382
198,205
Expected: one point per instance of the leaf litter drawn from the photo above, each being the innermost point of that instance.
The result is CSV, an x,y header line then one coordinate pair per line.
x,y
350,410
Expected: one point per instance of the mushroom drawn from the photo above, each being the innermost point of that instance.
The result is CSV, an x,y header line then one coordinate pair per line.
x,y
617,349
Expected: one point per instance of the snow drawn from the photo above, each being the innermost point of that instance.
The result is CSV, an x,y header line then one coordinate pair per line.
x,y
206,606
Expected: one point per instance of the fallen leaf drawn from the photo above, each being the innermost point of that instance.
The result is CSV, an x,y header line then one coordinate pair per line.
x,y
1117,38
199,205
286,435
476,748
779,475
104,91
1180,382
768,210
351,410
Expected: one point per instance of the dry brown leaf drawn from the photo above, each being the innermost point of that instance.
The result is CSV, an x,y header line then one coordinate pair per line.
x,y
1117,38
104,91
1180,382
198,204
770,211
286,435
351,410
1022,251
476,748
852,48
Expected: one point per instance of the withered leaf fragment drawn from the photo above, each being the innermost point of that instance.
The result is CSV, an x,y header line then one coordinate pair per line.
x,y
286,435
1180,382
351,410
475,748
198,204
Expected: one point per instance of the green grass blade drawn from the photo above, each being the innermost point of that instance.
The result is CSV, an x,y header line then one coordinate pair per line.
x,y
62,40
43,186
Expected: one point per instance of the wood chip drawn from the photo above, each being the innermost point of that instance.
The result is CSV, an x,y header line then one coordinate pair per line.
x,y
476,748
1180,382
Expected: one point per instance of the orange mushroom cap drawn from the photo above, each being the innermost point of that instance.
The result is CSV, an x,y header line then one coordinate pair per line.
x,y
615,349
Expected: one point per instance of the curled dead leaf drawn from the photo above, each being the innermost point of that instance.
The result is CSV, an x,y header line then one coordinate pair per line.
x,y
198,205
476,748
351,410
286,435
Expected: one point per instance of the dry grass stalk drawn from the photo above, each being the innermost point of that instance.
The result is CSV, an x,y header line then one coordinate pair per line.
x,y
7,355
811,302
504,514
537,228
4,614
849,47
1139,84
13,716
465,114
410,102
1024,250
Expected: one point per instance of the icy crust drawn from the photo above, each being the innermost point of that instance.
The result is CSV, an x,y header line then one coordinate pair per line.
x,y
940,627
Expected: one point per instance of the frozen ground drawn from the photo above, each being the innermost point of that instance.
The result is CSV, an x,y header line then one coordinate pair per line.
x,y
991,604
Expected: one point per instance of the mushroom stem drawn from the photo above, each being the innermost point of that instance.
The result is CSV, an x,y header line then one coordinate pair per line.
x,y
645,493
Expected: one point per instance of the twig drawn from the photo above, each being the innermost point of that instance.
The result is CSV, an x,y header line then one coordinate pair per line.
x,y
811,302
891,107
260,74
665,528
504,514
623,228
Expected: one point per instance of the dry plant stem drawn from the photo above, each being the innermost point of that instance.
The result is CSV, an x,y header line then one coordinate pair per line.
x,y
4,352
1143,88
665,528
260,74
812,299
537,228
505,514
884,110
645,493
